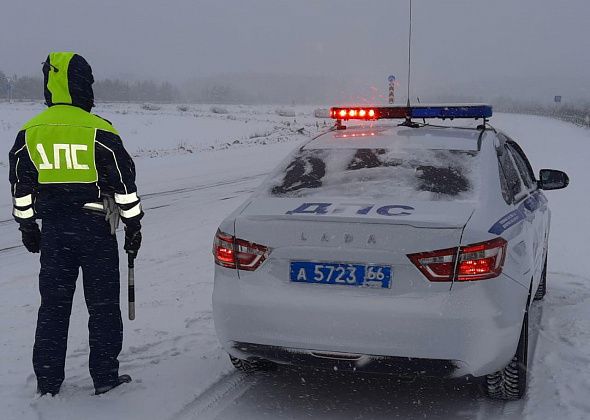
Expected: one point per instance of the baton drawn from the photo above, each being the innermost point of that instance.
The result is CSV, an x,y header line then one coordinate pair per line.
x,y
131,285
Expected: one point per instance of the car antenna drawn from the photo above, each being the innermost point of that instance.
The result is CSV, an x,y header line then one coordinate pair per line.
x,y
408,122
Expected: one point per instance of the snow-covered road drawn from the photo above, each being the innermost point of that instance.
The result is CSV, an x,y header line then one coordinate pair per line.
x,y
190,180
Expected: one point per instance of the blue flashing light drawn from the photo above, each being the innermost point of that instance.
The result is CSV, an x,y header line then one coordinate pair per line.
x,y
451,111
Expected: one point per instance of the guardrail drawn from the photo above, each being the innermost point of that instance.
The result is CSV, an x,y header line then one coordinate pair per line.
x,y
577,116
582,121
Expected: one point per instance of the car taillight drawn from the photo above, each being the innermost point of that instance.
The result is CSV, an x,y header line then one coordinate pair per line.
x,y
479,261
223,250
231,252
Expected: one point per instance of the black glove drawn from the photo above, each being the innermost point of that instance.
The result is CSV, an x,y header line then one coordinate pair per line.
x,y
132,239
31,236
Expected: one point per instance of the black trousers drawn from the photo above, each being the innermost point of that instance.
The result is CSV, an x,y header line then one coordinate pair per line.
x,y
68,243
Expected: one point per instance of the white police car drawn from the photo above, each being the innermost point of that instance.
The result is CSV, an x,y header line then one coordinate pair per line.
x,y
390,248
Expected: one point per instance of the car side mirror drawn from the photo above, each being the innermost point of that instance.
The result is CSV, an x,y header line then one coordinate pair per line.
x,y
550,179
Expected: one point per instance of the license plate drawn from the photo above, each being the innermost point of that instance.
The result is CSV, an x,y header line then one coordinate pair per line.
x,y
363,275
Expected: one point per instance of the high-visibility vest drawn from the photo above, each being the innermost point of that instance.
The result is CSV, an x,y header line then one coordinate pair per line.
x,y
60,142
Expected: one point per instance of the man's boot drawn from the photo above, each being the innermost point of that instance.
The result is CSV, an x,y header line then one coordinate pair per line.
x,y
123,379
42,392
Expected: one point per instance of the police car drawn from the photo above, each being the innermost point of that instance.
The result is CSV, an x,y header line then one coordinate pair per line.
x,y
403,248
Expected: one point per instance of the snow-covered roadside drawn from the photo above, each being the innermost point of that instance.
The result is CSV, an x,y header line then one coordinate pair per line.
x,y
560,382
171,349
176,135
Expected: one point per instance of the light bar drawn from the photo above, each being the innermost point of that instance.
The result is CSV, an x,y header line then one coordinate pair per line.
x,y
451,111
442,111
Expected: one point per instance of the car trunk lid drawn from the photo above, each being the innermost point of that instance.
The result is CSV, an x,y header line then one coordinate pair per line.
x,y
332,231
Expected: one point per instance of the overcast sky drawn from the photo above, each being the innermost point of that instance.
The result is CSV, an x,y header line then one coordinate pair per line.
x,y
532,45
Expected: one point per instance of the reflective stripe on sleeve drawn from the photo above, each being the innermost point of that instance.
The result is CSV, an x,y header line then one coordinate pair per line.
x,y
126,198
23,214
132,212
24,201
94,206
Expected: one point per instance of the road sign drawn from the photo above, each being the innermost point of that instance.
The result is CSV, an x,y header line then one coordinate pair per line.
x,y
391,80
557,99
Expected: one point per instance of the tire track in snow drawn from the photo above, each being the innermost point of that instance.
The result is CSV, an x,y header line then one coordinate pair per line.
x,y
150,196
515,409
230,391
288,394
202,187
209,403
559,386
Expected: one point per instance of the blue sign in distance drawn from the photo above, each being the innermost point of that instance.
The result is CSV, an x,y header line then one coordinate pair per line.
x,y
391,78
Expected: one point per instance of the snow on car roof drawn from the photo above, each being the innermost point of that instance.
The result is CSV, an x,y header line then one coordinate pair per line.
x,y
387,137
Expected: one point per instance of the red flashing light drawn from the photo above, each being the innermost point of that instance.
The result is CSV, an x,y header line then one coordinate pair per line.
x,y
479,261
354,113
358,113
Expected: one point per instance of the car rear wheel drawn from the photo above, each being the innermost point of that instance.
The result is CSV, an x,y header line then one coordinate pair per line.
x,y
510,382
542,289
249,366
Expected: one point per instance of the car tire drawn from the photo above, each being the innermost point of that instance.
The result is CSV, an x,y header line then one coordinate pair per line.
x,y
249,366
542,289
510,383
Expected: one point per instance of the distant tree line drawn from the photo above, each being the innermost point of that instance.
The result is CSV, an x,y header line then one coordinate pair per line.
x,y
219,89
271,89
25,87
106,90
3,84
115,90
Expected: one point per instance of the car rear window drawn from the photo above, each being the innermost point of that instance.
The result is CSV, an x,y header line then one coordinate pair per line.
x,y
377,173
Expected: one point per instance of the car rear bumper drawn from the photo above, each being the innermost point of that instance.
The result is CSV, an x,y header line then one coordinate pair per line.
x,y
473,328
346,362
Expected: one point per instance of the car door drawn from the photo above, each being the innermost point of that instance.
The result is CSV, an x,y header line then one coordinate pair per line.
x,y
535,205
522,233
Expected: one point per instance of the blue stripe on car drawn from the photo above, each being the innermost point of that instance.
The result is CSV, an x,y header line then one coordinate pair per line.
x,y
534,202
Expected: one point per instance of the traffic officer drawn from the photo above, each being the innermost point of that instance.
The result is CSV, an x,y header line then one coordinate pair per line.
x,y
69,169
